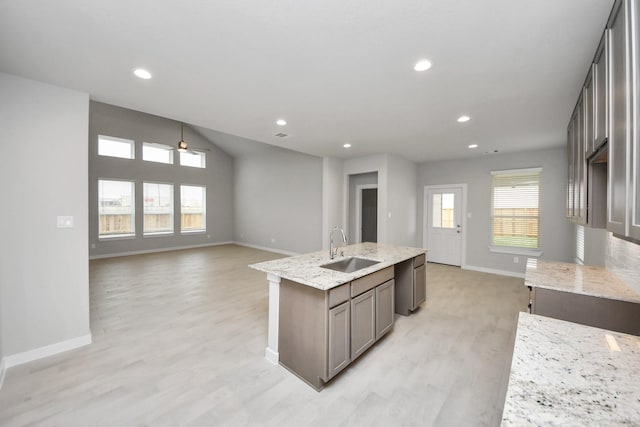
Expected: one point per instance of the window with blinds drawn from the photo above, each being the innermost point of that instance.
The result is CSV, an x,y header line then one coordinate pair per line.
x,y
515,208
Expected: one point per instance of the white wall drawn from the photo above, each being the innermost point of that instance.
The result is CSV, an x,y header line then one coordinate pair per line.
x,y
556,232
44,277
110,120
402,181
278,200
332,200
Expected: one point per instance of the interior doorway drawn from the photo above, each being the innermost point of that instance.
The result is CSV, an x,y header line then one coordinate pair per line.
x,y
367,213
444,223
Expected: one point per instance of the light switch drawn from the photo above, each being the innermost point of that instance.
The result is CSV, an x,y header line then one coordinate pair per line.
x,y
65,222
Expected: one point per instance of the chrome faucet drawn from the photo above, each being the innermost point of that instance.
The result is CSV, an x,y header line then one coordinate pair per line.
x,y
334,251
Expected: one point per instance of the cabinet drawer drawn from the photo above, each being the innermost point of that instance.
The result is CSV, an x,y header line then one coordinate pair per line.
x,y
338,295
370,281
418,261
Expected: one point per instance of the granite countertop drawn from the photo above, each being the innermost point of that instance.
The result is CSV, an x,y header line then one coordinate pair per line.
x,y
306,268
580,279
565,374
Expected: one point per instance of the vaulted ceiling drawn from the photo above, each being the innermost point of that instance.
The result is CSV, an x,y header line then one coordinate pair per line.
x,y
336,70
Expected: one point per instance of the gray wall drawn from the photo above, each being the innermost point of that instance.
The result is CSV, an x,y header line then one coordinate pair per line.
x,y
217,176
556,232
354,181
278,200
402,199
332,197
44,276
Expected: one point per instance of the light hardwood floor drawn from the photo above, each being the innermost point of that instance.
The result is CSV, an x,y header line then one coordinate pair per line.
x,y
179,339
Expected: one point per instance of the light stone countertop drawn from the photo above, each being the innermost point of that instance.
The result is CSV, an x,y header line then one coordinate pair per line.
x,y
565,374
580,279
306,268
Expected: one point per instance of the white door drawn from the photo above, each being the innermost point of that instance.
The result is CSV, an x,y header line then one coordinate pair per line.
x,y
443,224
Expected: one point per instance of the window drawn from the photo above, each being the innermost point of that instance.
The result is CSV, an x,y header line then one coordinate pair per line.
x,y
192,208
157,153
116,209
443,210
115,147
194,159
515,212
158,208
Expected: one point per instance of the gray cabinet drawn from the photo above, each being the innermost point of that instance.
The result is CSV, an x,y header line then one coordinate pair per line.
x,y
384,308
339,338
321,332
410,285
588,96
420,285
601,93
634,152
619,123
363,323
576,196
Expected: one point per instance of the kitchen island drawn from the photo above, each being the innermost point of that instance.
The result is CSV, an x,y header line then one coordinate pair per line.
x,y
566,374
321,319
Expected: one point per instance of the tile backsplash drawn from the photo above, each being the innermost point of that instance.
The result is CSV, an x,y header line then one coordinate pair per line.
x,y
623,258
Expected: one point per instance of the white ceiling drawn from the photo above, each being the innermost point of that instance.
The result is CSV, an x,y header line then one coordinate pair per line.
x,y
336,70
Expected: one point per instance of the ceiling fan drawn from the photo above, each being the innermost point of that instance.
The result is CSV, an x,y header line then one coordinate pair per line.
x,y
183,146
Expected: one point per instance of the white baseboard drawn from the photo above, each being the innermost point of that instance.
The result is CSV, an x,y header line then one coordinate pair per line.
x,y
2,372
272,356
265,248
48,350
493,271
153,251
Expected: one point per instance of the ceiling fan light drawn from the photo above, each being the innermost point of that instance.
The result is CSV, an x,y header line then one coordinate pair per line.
x,y
182,146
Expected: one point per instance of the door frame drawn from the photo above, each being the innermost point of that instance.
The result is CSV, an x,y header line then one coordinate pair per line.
x,y
463,218
359,189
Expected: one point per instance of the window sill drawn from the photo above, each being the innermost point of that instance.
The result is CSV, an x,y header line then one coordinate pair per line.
x,y
159,234
193,232
117,237
515,251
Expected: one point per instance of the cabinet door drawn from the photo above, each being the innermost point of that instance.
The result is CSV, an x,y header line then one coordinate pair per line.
x,y
601,93
570,164
339,338
419,286
384,308
619,123
588,96
363,325
579,202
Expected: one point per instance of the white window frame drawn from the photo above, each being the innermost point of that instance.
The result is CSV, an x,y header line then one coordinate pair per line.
x,y
204,210
130,142
517,250
144,213
130,235
202,155
153,145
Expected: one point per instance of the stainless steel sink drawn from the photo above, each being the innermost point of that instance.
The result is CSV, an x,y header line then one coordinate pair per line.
x,y
350,264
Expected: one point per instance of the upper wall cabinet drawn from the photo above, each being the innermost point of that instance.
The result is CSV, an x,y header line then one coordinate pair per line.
x,y
600,81
633,199
619,109
608,112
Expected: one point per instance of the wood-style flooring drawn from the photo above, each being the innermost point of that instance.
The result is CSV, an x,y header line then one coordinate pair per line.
x,y
179,339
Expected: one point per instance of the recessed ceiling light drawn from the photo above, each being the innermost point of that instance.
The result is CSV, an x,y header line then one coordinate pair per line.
x,y
473,145
422,65
142,73
347,145
463,119
281,122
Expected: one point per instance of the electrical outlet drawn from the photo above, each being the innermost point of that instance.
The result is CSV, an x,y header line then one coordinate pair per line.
x,y
516,260
273,240
93,246
208,236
